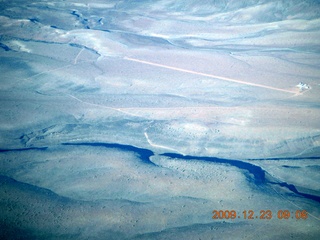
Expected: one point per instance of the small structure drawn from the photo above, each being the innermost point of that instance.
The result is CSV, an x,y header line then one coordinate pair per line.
x,y
303,86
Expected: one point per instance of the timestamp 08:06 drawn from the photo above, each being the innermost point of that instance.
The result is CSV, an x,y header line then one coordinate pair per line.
x,y
262,214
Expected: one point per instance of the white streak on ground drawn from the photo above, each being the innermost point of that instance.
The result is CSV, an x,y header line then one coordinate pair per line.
x,y
102,106
159,146
76,59
209,75
301,208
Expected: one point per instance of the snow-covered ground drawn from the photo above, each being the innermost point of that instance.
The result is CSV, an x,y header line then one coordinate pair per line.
x,y
136,119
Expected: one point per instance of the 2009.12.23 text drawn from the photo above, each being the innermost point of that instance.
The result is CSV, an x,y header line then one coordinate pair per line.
x,y
262,214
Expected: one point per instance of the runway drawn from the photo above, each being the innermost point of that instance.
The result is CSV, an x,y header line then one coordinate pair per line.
x,y
209,75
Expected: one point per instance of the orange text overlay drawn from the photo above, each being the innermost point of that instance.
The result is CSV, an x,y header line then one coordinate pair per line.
x,y
262,214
